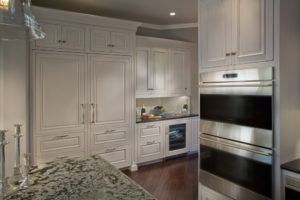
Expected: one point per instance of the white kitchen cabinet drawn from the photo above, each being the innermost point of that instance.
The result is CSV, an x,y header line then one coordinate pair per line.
x,y
59,102
178,73
215,32
144,73
253,31
235,32
62,36
110,90
150,139
112,41
208,194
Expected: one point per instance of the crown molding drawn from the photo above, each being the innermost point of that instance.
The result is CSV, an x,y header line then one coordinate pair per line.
x,y
169,27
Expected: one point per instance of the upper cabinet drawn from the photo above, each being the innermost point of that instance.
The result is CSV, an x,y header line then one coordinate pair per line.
x,y
65,37
234,32
163,68
112,41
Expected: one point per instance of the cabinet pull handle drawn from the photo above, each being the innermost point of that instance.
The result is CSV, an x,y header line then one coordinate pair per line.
x,y
60,137
62,157
82,114
150,143
110,150
233,53
93,113
64,41
59,41
228,54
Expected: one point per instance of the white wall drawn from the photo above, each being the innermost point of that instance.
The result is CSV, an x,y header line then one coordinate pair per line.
x,y
290,80
14,94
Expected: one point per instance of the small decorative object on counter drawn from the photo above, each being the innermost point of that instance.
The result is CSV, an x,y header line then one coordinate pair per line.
x,y
185,109
143,111
17,176
5,187
26,181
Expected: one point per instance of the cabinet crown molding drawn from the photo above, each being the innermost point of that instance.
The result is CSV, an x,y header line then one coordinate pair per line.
x,y
53,14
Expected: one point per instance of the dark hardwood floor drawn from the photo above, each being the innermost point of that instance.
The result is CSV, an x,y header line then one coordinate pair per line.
x,y
175,179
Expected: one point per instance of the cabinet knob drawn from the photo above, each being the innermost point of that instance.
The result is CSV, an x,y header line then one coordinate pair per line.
x,y
233,53
228,54
64,41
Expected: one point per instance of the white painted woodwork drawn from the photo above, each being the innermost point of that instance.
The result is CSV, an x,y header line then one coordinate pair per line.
x,y
253,31
60,144
236,32
110,87
121,42
52,38
59,89
194,134
99,40
150,141
118,155
208,194
73,37
144,74
178,74
100,137
188,136
215,32
45,158
160,63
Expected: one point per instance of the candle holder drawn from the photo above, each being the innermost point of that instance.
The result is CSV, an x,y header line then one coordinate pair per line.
x,y
17,176
26,182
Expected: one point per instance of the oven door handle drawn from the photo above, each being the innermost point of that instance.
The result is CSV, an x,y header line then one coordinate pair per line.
x,y
237,84
238,147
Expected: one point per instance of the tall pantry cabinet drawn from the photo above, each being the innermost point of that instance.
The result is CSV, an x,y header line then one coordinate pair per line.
x,y
83,90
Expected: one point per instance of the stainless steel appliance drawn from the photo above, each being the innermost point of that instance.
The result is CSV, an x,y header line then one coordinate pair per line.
x,y
236,142
177,137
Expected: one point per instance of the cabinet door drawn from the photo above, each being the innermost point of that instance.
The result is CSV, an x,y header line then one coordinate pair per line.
x,y
215,32
110,89
178,73
100,40
120,42
253,31
52,38
144,81
73,38
59,84
160,62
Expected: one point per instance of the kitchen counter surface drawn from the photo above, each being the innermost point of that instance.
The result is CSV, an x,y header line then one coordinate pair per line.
x,y
169,117
80,179
293,166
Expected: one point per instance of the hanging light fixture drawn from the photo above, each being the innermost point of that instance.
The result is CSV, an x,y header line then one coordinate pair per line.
x,y
17,21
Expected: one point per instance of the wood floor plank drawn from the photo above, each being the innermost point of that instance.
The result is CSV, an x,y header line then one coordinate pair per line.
x,y
175,179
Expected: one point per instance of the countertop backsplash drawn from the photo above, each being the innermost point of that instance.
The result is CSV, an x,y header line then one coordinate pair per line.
x,y
172,104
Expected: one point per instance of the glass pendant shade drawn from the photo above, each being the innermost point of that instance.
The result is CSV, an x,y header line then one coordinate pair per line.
x,y
17,21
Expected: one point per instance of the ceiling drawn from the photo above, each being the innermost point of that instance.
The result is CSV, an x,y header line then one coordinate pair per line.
x,y
147,11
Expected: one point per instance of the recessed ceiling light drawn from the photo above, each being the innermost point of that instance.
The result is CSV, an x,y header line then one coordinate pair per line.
x,y
172,13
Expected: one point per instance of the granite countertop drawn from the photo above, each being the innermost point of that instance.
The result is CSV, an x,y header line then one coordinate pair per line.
x,y
80,179
293,166
167,117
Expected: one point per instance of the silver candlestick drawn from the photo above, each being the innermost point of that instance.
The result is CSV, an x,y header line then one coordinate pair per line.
x,y
26,181
5,187
17,176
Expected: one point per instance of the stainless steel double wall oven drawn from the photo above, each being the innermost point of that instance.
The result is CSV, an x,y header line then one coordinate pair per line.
x,y
236,141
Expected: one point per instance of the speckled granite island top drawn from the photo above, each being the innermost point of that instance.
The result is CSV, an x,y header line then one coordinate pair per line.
x,y
76,179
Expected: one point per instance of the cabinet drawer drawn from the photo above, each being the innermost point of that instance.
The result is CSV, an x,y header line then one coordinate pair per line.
x,y
45,158
109,135
149,151
116,154
60,143
150,130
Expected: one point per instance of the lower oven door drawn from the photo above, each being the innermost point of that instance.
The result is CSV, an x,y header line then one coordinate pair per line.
x,y
237,170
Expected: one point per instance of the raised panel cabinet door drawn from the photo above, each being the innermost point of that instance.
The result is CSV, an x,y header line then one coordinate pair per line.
x,y
99,40
110,89
120,42
254,31
73,38
178,73
160,59
144,75
215,32
59,92
52,39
